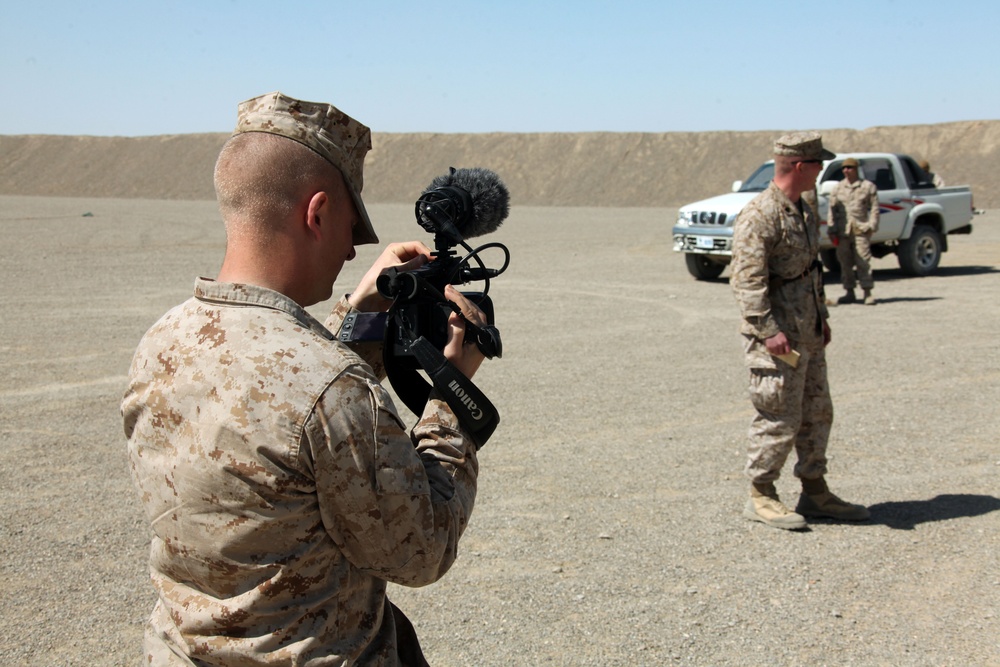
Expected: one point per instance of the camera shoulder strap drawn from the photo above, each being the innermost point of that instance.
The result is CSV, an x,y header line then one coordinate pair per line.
x,y
475,412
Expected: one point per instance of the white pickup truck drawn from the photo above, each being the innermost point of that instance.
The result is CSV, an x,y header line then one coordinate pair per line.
x,y
915,218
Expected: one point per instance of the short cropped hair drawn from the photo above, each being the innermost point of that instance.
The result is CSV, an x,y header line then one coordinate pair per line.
x,y
260,178
783,164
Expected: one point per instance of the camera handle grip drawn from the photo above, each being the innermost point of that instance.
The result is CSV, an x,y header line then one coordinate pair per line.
x,y
488,340
486,337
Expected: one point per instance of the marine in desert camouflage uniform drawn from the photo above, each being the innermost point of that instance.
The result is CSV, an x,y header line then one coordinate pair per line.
x,y
854,210
778,286
282,488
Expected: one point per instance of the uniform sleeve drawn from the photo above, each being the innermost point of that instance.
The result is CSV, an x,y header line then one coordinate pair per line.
x,y
874,209
370,352
838,219
753,235
394,504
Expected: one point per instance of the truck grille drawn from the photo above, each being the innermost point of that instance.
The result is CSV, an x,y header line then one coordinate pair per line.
x,y
708,218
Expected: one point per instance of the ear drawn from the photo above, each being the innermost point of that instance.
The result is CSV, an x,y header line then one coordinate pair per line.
x,y
317,221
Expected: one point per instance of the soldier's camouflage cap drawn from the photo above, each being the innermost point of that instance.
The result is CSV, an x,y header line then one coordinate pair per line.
x,y
805,145
325,129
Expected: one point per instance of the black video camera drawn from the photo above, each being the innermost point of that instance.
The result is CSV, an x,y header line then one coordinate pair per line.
x,y
472,201
464,203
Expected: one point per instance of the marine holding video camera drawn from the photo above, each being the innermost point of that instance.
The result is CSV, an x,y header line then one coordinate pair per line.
x,y
281,486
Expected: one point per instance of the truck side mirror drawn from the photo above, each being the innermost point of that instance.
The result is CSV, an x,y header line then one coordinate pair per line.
x,y
737,185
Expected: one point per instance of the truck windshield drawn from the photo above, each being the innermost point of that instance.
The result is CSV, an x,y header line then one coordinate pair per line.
x,y
760,179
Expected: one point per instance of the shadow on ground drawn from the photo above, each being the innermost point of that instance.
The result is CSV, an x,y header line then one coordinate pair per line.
x,y
907,514
891,299
889,275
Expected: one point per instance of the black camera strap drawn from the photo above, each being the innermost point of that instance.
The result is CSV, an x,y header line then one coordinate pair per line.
x,y
475,412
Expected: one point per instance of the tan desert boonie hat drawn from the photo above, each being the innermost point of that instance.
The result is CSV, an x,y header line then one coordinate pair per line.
x,y
804,145
338,138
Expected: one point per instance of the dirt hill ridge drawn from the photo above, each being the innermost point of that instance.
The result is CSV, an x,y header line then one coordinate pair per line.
x,y
557,169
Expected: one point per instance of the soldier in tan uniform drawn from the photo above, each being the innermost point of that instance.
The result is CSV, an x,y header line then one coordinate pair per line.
x,y
933,177
777,283
854,212
281,485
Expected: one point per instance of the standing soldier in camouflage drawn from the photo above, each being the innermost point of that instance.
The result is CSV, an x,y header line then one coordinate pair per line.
x,y
777,283
854,218
281,485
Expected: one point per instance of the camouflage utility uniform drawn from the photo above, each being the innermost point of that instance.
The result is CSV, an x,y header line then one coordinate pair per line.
x,y
282,488
854,212
779,289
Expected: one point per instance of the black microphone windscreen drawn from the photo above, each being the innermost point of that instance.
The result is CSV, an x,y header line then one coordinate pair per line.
x,y
490,198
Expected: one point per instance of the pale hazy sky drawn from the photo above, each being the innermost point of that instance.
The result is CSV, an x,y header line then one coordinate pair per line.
x,y
140,67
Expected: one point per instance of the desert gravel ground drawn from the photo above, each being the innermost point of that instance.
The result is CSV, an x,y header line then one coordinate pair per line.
x,y
607,529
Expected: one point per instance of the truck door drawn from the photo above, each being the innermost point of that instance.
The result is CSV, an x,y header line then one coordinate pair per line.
x,y
893,197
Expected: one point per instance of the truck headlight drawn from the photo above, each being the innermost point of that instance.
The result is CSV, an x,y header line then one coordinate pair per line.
x,y
684,218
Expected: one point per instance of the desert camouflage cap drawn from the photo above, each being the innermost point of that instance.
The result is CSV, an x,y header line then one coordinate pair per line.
x,y
805,145
850,162
324,128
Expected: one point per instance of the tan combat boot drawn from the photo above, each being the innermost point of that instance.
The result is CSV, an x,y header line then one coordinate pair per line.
x,y
817,501
869,299
848,298
764,506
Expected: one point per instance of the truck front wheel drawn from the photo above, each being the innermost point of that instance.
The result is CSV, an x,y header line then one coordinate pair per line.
x,y
920,254
702,268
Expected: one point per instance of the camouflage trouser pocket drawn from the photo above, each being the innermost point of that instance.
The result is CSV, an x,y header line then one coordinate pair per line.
x,y
767,389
